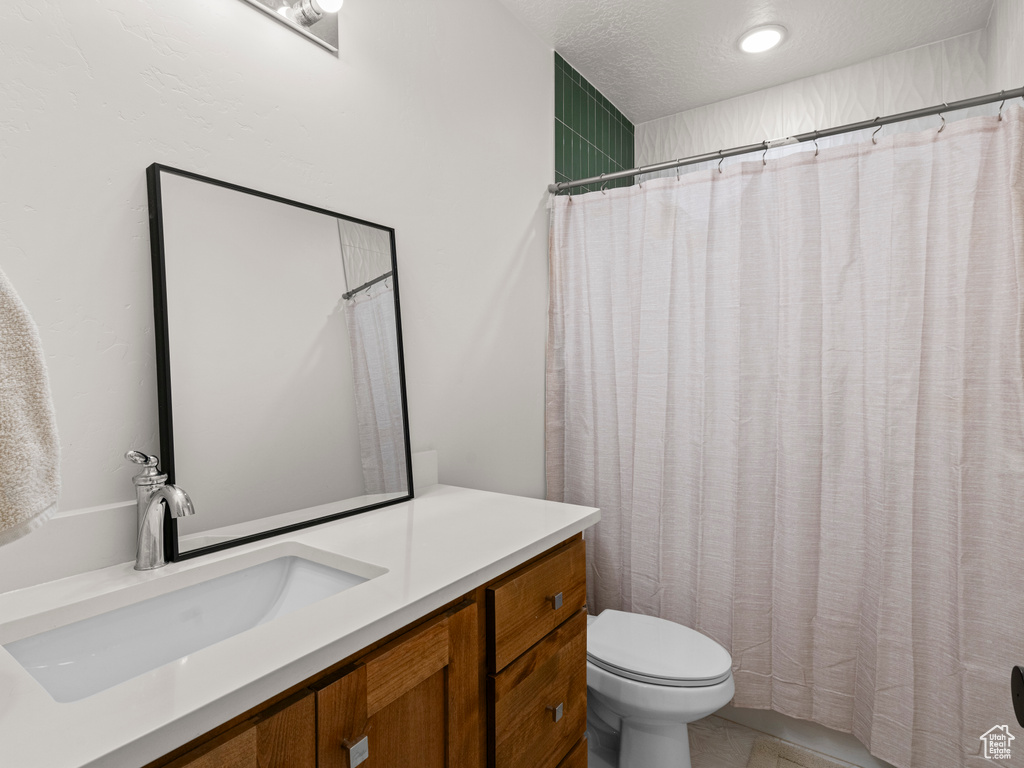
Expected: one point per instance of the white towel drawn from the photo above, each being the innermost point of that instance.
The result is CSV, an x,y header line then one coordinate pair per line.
x,y
29,450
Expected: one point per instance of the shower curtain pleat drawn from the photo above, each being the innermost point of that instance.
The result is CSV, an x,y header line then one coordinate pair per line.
x,y
795,390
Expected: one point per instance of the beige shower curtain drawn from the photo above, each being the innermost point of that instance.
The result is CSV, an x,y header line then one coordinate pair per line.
x,y
795,390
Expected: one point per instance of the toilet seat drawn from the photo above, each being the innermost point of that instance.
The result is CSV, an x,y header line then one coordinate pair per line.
x,y
655,651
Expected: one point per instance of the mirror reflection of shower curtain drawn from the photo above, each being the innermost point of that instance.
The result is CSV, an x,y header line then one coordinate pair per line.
x,y
370,317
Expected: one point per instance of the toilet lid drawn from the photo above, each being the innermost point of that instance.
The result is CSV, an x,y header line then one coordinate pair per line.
x,y
656,651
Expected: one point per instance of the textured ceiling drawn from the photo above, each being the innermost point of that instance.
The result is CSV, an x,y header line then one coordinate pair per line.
x,y
653,58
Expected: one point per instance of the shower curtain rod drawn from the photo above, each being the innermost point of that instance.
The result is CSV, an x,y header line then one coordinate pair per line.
x,y
801,137
366,285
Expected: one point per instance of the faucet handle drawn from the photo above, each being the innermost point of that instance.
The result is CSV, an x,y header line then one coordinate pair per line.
x,y
149,475
141,458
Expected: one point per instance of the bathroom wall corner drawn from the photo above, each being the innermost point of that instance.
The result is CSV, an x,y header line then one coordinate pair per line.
x,y
424,469
591,135
1005,41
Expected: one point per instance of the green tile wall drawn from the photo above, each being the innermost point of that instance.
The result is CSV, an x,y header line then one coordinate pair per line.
x,y
591,136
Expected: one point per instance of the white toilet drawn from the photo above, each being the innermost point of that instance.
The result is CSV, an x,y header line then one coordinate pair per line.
x,y
646,679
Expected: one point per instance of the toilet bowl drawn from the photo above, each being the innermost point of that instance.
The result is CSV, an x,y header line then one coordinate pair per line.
x,y
646,679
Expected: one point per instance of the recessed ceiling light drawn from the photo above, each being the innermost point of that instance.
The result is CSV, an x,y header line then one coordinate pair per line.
x,y
761,39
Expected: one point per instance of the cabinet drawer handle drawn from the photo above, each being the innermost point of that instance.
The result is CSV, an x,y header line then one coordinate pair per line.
x,y
556,712
556,601
357,751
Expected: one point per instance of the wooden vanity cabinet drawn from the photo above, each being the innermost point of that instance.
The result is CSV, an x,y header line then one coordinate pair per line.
x,y
414,702
537,660
497,678
282,736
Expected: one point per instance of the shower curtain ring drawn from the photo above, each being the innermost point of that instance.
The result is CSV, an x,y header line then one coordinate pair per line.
x,y
764,157
873,139
603,184
721,157
816,143
943,118
1003,102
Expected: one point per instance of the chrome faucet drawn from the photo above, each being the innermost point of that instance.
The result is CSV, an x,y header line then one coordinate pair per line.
x,y
153,495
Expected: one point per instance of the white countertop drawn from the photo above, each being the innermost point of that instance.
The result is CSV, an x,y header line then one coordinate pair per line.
x,y
435,548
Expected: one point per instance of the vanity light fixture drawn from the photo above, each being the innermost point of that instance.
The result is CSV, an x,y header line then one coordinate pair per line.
x,y
763,38
309,12
315,20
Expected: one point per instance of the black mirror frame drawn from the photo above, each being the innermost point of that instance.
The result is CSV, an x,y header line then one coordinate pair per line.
x,y
163,361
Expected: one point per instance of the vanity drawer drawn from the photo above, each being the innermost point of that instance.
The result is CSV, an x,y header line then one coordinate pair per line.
x,y
540,700
577,757
525,606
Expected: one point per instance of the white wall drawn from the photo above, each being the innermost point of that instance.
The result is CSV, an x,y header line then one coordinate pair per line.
x,y
920,77
436,119
1006,46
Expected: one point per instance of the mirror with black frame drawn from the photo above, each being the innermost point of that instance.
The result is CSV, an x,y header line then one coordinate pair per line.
x,y
279,361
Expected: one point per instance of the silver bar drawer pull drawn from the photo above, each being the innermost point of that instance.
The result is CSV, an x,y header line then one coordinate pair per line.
x,y
556,601
556,712
357,751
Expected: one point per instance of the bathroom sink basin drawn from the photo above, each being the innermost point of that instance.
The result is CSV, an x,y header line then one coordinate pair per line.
x,y
77,659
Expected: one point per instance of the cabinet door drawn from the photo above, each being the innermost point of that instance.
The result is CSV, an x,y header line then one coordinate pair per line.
x,y
415,702
282,737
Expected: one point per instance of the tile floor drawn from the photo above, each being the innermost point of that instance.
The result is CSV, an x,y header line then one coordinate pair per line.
x,y
714,743
718,743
